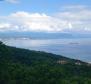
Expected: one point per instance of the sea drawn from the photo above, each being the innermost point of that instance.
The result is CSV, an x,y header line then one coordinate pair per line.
x,y
78,48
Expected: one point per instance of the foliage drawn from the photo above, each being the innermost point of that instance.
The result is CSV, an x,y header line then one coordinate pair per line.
x,y
20,66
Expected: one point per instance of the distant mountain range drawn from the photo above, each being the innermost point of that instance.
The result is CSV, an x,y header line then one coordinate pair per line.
x,y
42,35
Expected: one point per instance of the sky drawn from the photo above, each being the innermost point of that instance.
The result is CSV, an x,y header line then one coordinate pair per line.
x,y
45,15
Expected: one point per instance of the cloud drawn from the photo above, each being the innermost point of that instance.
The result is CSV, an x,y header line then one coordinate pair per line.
x,y
7,26
78,16
12,1
72,7
35,22
64,21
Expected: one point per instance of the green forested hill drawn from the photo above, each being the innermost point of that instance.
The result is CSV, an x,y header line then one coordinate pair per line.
x,y
21,66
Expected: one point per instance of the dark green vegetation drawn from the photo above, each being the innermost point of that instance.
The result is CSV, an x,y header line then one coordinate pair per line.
x,y
20,66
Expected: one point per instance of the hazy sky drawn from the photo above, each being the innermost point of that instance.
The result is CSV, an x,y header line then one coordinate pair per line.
x,y
45,15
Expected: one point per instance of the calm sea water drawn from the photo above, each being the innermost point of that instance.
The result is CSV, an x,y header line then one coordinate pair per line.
x,y
72,48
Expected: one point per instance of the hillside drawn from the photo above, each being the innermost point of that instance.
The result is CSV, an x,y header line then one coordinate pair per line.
x,y
21,66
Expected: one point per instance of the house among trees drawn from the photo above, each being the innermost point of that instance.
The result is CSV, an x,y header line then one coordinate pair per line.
x,y
62,62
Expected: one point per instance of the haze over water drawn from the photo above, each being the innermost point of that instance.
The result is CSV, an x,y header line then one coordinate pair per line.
x,y
72,48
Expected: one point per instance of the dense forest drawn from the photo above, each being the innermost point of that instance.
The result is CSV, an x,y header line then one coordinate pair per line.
x,y
22,66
